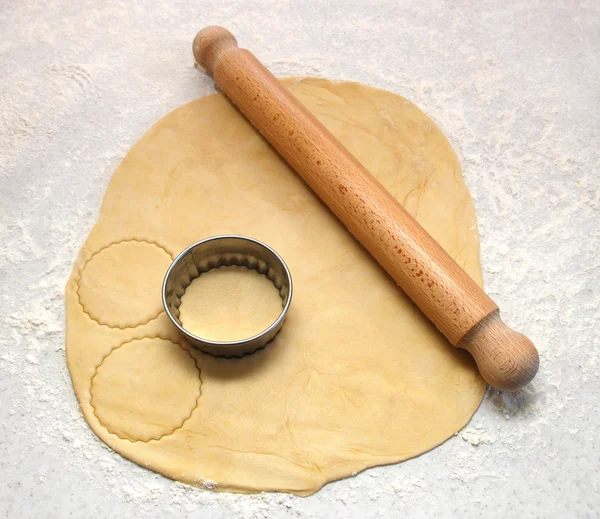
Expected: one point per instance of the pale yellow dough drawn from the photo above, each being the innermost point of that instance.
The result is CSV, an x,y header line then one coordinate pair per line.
x,y
357,377
229,304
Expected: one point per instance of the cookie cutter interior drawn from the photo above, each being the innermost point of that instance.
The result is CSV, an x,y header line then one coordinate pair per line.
x,y
215,252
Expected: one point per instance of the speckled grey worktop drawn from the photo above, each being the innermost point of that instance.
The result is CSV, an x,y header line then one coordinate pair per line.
x,y
516,88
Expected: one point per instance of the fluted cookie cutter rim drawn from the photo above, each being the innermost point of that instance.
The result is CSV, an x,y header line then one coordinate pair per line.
x,y
215,252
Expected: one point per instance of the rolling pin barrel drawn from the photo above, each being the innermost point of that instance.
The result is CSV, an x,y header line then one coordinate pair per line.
x,y
430,277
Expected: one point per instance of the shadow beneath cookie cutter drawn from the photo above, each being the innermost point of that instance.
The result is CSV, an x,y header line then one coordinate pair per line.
x,y
248,364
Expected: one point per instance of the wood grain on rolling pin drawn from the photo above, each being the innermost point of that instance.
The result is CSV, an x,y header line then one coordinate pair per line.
x,y
431,278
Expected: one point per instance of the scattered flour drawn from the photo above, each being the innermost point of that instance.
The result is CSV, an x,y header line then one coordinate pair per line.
x,y
526,134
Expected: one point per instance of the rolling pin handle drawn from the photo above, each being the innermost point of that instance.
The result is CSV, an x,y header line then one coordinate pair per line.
x,y
506,359
211,44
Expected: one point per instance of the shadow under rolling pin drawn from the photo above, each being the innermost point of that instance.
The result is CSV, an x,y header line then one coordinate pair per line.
x,y
445,293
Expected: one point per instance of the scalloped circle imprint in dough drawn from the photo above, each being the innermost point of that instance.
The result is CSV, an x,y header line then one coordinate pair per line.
x,y
120,286
227,295
134,407
357,376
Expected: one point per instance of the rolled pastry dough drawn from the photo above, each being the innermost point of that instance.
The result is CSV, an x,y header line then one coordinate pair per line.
x,y
230,304
357,377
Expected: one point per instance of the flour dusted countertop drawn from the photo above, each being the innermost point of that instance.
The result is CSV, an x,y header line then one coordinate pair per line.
x,y
516,89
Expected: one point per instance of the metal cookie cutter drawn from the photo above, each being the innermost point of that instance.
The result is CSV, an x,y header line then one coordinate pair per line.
x,y
220,251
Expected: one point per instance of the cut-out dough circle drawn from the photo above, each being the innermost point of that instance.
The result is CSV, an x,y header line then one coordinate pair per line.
x,y
252,304
357,377
134,407
120,284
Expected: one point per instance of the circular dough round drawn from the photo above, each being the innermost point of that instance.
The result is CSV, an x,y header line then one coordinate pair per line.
x,y
358,376
135,407
120,285
230,295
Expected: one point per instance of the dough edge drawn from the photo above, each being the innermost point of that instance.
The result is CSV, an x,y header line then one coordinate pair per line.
x,y
135,451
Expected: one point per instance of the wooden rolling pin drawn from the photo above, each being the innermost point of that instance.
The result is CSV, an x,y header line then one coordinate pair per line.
x,y
460,309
